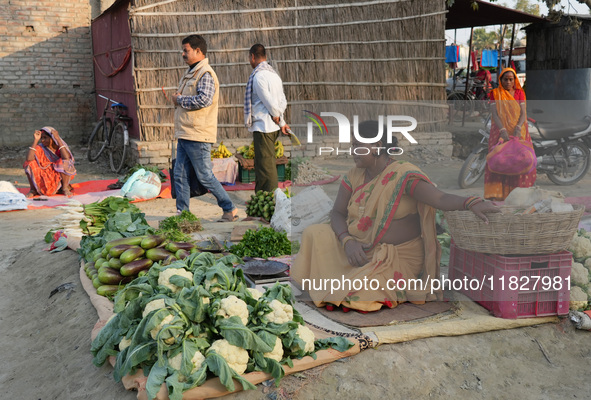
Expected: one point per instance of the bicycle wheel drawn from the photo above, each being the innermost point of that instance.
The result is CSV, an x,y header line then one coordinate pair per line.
x,y
460,102
97,141
119,145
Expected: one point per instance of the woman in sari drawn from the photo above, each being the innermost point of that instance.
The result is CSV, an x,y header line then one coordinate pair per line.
x,y
49,165
382,234
508,118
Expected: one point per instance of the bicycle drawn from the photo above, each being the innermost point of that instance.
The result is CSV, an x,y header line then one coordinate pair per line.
x,y
476,99
111,134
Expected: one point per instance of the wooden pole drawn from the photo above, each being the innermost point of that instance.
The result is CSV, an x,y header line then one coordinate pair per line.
x,y
467,76
511,47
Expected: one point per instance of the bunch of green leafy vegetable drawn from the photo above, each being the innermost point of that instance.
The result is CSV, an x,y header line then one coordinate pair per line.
x,y
177,227
264,242
195,319
150,168
99,212
443,237
119,225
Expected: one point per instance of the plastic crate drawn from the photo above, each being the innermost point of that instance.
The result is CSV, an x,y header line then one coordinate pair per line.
x,y
513,286
247,175
281,172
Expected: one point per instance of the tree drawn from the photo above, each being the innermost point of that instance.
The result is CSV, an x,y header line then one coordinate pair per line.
x,y
553,5
483,39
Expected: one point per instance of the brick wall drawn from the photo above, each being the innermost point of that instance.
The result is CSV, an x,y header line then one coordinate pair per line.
x,y
45,70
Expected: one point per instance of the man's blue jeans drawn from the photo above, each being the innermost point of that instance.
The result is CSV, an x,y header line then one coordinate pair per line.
x,y
197,155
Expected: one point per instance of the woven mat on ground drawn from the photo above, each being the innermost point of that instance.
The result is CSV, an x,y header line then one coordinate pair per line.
x,y
86,193
386,316
463,317
212,387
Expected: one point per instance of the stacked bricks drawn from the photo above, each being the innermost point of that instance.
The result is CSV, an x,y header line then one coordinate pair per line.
x,y
46,70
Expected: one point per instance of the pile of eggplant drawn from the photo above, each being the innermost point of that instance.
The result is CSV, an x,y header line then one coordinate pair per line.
x,y
122,260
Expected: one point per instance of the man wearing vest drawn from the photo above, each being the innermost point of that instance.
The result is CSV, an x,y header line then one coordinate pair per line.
x,y
195,127
264,105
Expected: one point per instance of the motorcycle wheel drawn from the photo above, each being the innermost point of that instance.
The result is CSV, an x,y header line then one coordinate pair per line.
x,y
473,167
578,164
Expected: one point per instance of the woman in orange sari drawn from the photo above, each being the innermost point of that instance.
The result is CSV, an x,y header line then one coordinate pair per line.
x,y
381,237
509,117
49,165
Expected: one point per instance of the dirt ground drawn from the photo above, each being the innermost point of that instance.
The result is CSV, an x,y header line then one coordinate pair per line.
x,y
45,340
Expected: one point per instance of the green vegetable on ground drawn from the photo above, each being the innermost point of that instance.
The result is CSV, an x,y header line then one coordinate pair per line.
x,y
177,227
264,242
195,319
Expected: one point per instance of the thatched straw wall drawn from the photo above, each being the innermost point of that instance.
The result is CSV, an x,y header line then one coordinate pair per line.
x,y
330,54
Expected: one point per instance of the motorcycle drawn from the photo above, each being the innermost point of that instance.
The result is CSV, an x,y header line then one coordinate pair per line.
x,y
562,151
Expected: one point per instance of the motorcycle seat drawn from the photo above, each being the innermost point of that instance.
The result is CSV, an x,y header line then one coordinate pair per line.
x,y
558,130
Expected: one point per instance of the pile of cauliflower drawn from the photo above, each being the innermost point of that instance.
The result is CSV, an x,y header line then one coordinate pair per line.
x,y
580,293
195,318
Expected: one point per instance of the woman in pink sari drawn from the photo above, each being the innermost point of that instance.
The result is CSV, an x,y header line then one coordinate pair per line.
x,y
381,235
49,165
509,118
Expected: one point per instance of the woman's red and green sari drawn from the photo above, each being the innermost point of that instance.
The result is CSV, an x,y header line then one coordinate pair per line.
x,y
395,273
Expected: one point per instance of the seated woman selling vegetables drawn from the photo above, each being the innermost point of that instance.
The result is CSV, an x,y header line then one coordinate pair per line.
x,y
382,233
49,165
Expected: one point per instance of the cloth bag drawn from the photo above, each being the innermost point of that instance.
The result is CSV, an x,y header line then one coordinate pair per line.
x,y
513,157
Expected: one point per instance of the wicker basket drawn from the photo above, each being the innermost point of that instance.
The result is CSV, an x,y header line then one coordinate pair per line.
x,y
509,233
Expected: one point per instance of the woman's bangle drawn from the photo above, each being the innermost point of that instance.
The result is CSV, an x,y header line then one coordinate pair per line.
x,y
503,129
61,148
346,239
32,148
342,233
471,202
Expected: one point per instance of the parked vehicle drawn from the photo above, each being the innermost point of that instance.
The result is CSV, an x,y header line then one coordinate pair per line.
x,y
562,150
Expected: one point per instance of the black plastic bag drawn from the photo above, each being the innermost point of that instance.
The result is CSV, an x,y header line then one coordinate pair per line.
x,y
197,189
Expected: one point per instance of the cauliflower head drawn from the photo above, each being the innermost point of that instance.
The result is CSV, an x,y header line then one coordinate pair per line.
x,y
236,357
166,320
233,306
580,246
579,274
277,352
197,361
153,305
124,343
210,283
578,298
255,294
307,336
164,277
281,313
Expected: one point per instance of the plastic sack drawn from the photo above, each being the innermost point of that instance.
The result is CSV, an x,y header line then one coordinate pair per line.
x,y
11,198
310,206
281,219
142,185
513,157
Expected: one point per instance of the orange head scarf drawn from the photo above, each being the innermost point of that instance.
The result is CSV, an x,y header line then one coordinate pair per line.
x,y
508,109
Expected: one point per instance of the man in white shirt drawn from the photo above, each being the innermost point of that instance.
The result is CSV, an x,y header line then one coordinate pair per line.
x,y
264,105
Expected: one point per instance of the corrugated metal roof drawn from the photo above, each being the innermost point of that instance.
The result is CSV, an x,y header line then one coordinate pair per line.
x,y
462,15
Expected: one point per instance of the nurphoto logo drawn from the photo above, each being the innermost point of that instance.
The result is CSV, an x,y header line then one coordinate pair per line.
x,y
344,126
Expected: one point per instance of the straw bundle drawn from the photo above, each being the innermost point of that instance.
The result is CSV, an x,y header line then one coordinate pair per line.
x,y
327,53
